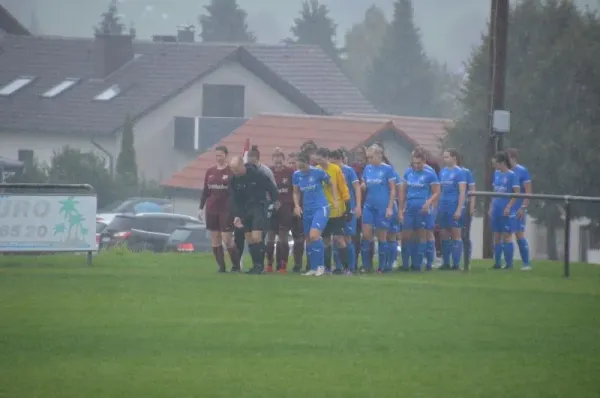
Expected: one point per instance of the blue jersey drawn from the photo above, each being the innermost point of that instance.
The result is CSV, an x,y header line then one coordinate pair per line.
x,y
523,178
310,183
377,180
418,184
351,178
450,180
504,182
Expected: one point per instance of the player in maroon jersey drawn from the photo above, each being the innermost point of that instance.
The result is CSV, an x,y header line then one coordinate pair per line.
x,y
282,219
297,227
214,203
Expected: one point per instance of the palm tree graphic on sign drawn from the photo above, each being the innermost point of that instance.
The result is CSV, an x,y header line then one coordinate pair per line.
x,y
73,222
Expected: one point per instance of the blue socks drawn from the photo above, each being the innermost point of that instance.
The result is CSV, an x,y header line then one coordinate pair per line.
x,y
417,253
365,253
351,255
498,254
336,258
316,253
383,255
446,251
430,253
457,249
523,250
406,246
509,251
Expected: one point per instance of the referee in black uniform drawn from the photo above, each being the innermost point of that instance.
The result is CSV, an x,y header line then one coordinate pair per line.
x,y
251,208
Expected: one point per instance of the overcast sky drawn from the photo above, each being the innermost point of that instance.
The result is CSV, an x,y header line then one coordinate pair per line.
x,y
450,28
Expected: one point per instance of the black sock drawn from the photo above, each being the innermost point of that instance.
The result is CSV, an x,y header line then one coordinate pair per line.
x,y
254,253
261,253
328,253
343,253
240,240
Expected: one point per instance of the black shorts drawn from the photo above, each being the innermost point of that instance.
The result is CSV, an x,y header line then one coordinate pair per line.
x,y
256,219
282,219
335,226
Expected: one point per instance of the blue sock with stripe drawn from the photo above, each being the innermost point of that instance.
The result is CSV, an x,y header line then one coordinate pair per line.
x,y
421,246
365,253
498,254
509,252
457,249
524,250
430,253
351,255
383,254
316,252
446,251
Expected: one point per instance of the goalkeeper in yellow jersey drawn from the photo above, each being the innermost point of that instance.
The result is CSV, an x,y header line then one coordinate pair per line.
x,y
338,196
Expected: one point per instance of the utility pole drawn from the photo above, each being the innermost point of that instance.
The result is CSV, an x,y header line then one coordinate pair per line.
x,y
497,78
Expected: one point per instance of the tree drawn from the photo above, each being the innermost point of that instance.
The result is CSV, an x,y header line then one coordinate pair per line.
x,y
111,23
447,90
72,166
553,90
362,44
400,80
314,26
225,21
126,163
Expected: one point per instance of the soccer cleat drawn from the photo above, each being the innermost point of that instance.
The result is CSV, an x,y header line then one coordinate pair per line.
x,y
282,271
496,266
297,269
380,271
456,268
222,271
508,268
235,269
311,272
526,268
445,267
320,271
269,268
415,269
403,269
256,270
348,272
428,268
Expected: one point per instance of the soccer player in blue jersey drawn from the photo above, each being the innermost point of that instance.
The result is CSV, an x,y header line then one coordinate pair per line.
x,y
469,212
338,157
380,185
453,184
502,211
420,191
521,206
432,235
309,188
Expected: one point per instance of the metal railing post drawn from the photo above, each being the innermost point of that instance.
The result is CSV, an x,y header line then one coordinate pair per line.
x,y
567,237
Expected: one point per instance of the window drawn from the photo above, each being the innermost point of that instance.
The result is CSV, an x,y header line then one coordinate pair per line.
x,y
15,85
222,100
59,88
25,156
108,94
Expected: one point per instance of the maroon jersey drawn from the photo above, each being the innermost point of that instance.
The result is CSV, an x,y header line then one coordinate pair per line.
x,y
216,190
358,168
283,179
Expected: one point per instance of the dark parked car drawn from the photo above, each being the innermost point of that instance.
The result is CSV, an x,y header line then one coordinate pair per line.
x,y
143,231
191,238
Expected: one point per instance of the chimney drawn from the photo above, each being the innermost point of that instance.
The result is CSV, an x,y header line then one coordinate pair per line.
x,y
111,52
186,34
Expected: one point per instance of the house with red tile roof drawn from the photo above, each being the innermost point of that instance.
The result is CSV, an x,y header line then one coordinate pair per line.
x,y
398,135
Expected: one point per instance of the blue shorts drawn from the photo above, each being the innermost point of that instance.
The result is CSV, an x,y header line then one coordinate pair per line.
x,y
430,225
350,227
375,217
315,219
414,219
445,217
501,223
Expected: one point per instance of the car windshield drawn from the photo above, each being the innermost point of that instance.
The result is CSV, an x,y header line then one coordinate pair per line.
x,y
100,227
120,223
180,235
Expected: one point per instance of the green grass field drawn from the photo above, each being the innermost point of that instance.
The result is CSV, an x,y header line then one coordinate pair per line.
x,y
142,325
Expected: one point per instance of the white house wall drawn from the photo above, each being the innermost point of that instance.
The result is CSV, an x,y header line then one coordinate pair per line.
x,y
156,157
44,145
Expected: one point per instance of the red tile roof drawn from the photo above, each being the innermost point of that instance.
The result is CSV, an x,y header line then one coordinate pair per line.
x,y
287,132
423,132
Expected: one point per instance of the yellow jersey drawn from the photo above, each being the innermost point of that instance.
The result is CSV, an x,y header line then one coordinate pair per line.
x,y
336,175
